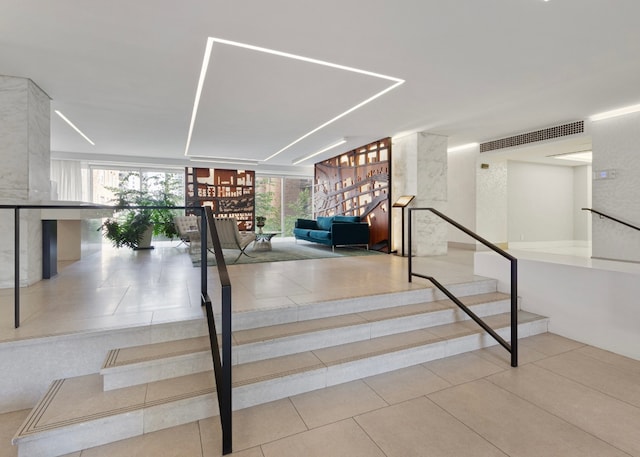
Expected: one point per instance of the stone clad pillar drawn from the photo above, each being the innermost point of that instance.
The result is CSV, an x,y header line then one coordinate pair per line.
x,y
24,174
419,167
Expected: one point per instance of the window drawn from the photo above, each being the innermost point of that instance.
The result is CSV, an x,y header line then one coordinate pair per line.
x,y
104,178
282,200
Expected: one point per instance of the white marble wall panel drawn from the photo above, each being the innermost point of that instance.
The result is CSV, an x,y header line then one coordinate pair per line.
x,y
616,146
38,144
14,177
420,169
25,171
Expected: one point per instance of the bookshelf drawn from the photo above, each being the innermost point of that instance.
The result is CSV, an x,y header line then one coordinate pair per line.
x,y
229,193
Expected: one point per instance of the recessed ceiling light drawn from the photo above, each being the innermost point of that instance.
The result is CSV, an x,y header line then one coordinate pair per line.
x,y
615,113
205,63
64,118
334,145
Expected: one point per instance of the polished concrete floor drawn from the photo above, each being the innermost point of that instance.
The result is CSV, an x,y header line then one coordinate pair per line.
x,y
565,399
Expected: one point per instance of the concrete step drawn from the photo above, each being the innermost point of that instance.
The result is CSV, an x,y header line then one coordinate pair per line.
x,y
138,365
76,413
342,306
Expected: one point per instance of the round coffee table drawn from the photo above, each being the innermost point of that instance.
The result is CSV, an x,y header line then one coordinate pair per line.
x,y
263,241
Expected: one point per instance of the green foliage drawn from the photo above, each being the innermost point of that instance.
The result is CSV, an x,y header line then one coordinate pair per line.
x,y
126,228
265,206
301,208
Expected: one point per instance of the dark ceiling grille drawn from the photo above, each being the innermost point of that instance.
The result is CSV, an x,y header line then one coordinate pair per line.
x,y
531,137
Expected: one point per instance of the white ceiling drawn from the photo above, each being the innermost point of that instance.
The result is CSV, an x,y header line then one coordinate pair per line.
x,y
126,72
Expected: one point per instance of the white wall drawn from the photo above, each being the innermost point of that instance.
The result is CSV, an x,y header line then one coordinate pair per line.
x,y
540,202
461,192
594,302
616,145
581,199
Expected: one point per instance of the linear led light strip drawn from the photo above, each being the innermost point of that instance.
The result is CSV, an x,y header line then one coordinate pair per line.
x,y
223,160
205,65
64,118
616,112
462,147
334,145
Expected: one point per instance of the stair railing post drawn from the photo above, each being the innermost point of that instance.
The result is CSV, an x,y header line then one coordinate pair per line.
x,y
16,268
514,313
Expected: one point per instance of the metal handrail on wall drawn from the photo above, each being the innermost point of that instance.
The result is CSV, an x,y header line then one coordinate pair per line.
x,y
603,215
513,347
222,367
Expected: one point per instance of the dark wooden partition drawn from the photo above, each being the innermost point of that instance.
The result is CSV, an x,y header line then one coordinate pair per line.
x,y
358,183
229,193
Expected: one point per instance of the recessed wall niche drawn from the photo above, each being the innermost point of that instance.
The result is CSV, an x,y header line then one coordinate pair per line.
x,y
357,183
229,193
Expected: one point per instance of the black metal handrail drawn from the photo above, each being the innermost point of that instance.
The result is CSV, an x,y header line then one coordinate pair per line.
x,y
610,217
222,368
513,347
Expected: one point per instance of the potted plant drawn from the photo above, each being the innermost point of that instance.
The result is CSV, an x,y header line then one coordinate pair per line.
x,y
134,227
260,221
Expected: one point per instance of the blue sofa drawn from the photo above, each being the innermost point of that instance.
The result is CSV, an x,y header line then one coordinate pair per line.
x,y
333,231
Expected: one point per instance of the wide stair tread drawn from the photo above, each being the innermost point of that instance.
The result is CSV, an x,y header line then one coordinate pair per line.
x,y
156,351
76,413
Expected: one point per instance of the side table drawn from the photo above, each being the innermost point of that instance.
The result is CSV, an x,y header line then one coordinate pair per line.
x,y
263,241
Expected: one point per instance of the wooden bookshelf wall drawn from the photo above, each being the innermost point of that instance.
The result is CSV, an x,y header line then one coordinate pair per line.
x,y
229,193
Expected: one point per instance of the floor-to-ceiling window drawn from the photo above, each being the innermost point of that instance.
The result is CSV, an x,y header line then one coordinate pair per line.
x,y
105,178
282,200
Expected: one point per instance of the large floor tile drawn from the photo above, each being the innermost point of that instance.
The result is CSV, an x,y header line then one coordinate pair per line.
x,y
405,384
517,427
324,406
344,438
463,368
253,427
550,343
620,383
421,428
181,441
611,420
501,357
616,360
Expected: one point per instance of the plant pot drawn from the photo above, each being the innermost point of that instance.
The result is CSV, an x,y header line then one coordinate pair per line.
x,y
145,239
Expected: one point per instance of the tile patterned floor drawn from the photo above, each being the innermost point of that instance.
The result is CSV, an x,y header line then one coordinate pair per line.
x,y
565,399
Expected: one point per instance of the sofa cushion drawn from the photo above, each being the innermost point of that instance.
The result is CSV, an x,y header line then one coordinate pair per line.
x,y
306,224
319,235
346,218
301,232
324,223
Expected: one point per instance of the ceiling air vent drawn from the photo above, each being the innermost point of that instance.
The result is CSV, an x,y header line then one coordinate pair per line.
x,y
531,137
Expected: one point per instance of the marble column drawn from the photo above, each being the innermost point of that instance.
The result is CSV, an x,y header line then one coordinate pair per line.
x,y
419,167
24,174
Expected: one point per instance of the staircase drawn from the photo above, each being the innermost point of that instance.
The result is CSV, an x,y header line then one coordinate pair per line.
x,y
147,388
